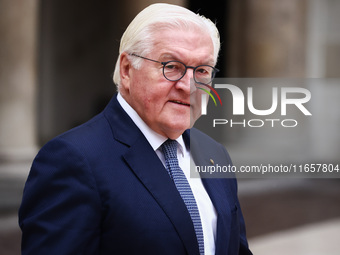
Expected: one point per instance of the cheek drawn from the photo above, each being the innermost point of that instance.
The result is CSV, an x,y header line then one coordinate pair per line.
x,y
155,99
150,92
149,104
197,101
148,100
195,111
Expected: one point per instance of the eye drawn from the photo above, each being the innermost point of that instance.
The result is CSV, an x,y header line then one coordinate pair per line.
x,y
201,70
204,70
170,66
173,66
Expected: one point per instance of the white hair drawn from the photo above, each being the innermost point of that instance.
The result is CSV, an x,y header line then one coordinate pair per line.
x,y
138,37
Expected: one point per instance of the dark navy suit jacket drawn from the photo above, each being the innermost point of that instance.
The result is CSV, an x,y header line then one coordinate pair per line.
x,y
101,189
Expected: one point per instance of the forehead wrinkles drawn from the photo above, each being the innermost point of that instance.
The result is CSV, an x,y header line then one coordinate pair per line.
x,y
170,44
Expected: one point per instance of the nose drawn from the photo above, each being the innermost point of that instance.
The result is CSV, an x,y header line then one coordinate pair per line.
x,y
187,83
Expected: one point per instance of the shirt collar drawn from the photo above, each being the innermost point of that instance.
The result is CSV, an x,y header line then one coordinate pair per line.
x,y
155,139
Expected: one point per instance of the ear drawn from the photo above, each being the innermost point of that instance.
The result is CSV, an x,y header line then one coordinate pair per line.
x,y
125,72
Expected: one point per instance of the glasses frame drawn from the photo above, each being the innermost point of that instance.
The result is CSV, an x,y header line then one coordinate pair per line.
x,y
215,70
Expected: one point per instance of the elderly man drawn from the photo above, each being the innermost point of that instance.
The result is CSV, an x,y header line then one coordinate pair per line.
x,y
120,183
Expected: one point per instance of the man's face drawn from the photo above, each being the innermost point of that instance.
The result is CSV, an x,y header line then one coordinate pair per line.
x,y
168,107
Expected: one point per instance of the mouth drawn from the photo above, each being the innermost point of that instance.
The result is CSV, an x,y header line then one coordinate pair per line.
x,y
179,102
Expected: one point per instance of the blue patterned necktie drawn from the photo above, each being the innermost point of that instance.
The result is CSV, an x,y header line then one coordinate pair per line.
x,y
169,149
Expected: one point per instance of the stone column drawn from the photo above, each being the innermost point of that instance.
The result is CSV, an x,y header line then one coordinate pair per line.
x,y
267,38
18,27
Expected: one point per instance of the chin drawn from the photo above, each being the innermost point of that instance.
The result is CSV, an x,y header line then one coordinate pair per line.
x,y
174,131
180,128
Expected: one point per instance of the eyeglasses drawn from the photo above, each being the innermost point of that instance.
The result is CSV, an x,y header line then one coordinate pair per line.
x,y
175,70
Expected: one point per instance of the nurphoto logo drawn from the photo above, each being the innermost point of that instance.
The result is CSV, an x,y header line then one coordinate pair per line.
x,y
281,98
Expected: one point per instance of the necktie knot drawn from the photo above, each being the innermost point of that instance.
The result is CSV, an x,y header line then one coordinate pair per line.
x,y
169,148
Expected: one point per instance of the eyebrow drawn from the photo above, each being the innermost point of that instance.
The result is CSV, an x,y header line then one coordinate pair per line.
x,y
169,56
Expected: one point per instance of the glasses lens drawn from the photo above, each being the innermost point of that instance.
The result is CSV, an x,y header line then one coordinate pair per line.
x,y
174,70
204,74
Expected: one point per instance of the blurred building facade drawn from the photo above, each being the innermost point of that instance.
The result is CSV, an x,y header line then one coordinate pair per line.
x,y
56,63
57,57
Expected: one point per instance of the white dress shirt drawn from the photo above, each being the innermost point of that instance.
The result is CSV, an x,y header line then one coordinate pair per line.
x,y
205,207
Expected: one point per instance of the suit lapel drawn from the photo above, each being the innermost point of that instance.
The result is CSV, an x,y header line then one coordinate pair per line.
x,y
145,163
216,189
151,172
217,195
